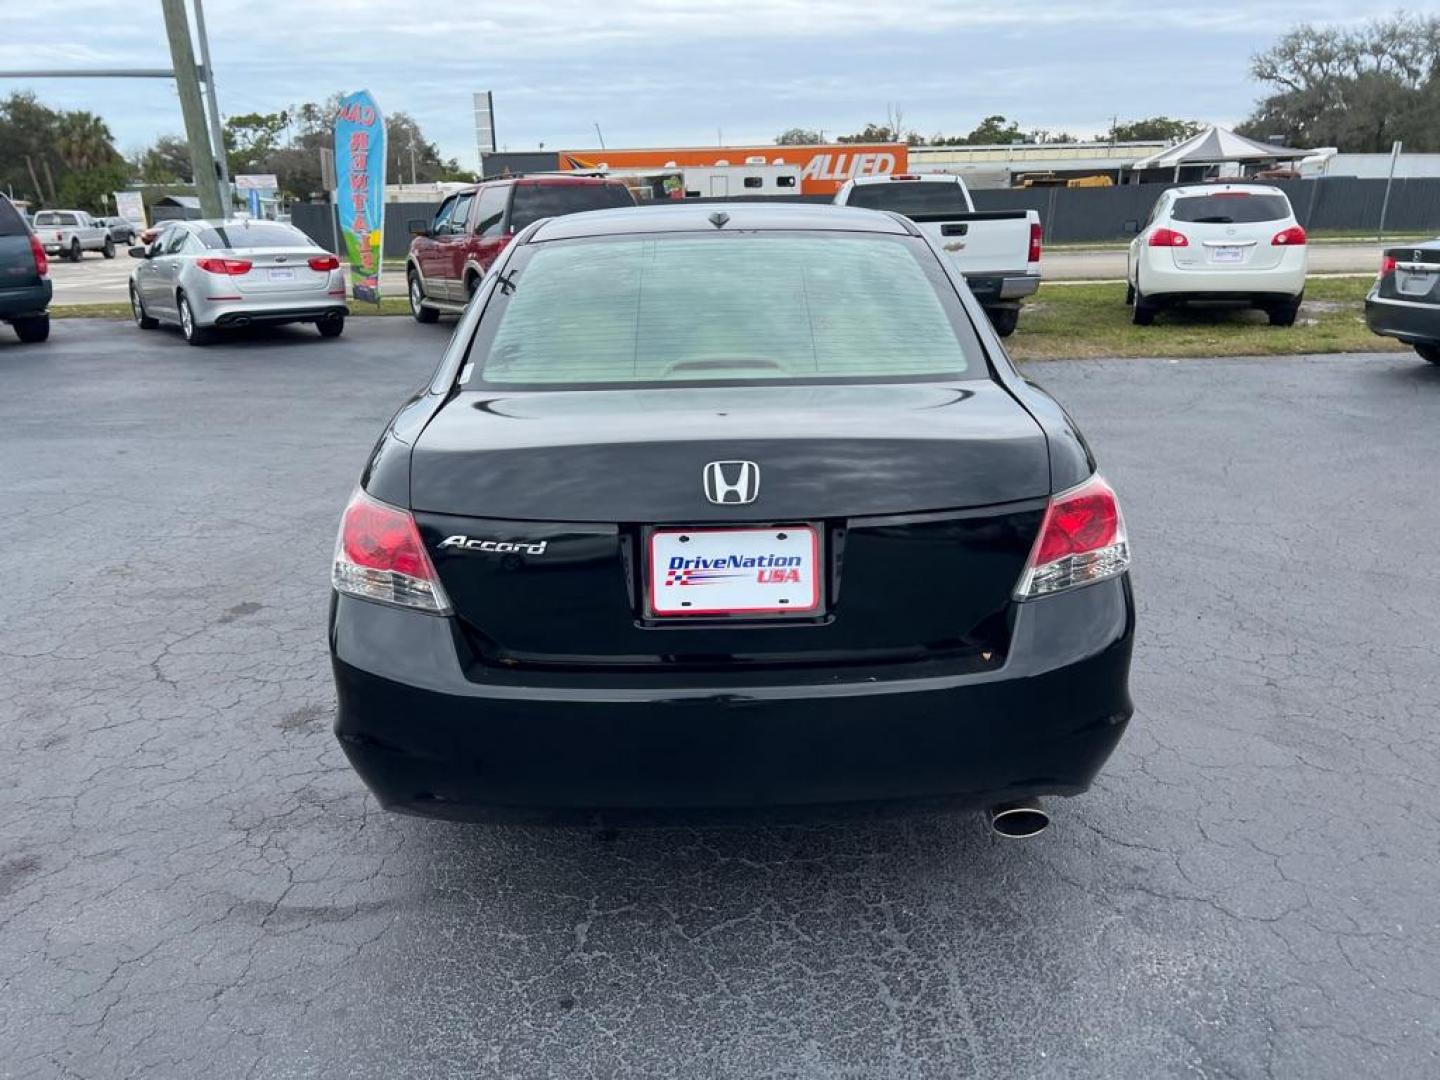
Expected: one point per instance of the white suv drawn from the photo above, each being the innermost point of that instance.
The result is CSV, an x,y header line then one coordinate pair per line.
x,y
1218,242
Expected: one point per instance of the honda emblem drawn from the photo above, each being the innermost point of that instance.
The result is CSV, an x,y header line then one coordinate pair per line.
x,y
732,482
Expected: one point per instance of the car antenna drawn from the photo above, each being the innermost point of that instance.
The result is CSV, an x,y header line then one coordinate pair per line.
x,y
719,218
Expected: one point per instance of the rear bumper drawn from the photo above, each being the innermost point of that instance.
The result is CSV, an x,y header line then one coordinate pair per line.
x,y
428,740
1408,320
23,302
992,287
1160,279
246,313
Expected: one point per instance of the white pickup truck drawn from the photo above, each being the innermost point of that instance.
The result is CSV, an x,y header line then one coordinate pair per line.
x,y
71,232
998,251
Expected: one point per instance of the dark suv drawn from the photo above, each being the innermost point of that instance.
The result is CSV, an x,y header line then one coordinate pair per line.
x,y
452,251
24,277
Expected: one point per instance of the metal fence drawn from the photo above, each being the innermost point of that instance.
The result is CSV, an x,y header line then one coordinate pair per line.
x,y
1071,215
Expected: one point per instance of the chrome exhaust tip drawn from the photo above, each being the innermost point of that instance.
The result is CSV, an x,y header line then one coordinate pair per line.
x,y
1018,820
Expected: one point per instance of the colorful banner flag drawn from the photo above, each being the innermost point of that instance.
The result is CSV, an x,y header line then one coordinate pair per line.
x,y
360,190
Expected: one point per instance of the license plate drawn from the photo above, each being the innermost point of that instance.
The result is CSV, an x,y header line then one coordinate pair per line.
x,y
773,571
282,273
1227,254
1413,282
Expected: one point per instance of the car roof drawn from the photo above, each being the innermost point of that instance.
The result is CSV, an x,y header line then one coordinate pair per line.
x,y
944,178
673,217
1211,189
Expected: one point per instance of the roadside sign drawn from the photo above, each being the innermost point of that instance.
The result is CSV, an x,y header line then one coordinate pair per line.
x,y
131,206
256,182
360,190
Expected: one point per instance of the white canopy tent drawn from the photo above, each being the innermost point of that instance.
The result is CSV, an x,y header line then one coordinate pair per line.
x,y
1213,146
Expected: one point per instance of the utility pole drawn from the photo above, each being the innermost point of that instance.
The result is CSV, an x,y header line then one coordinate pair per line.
x,y
217,132
187,82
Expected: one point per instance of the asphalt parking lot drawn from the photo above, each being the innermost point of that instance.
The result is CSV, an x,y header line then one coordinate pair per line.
x,y
193,882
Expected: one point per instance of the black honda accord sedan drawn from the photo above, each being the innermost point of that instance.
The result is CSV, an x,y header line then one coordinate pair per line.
x,y
714,509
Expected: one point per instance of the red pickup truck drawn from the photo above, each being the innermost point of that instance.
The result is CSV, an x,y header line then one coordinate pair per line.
x,y
452,251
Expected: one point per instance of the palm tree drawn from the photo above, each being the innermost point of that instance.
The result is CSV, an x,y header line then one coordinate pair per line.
x,y
84,142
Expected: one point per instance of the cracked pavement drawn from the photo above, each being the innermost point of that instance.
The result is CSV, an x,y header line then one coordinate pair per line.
x,y
193,882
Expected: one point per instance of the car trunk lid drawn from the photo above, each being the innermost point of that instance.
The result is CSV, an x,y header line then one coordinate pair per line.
x,y
276,270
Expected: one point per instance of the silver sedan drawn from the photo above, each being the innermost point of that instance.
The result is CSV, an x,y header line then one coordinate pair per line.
x,y
207,275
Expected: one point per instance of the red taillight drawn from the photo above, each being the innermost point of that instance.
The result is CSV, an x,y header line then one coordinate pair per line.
x,y
1163,237
379,556
1291,237
224,266
1081,539
1035,233
42,261
324,262
1387,264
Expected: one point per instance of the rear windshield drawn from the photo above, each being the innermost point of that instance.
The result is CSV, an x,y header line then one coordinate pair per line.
x,y
723,308
536,201
1230,208
246,234
11,223
910,197
50,217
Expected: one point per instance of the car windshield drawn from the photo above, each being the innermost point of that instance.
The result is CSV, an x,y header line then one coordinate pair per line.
x,y
1230,208
536,201
910,197
723,307
250,234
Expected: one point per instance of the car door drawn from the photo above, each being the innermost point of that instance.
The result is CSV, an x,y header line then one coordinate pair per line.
x,y
428,253
456,245
167,270
492,210
147,274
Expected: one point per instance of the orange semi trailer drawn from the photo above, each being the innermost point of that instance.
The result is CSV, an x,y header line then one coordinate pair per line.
x,y
823,169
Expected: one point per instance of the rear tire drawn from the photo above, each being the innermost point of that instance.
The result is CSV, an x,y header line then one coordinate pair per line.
x,y
32,329
74,253
1004,320
1143,312
332,327
1429,351
1284,314
109,249
418,309
194,335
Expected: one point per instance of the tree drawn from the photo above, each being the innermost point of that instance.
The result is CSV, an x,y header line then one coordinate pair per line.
x,y
92,189
84,142
1153,129
1355,89
251,138
798,137
165,162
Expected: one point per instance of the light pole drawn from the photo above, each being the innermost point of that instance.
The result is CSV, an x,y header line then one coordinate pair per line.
x,y
217,133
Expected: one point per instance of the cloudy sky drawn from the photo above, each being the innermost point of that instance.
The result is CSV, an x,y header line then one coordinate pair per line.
x,y
679,72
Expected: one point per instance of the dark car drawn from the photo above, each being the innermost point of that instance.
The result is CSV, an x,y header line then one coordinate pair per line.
x,y
25,287
1404,302
452,251
728,507
122,230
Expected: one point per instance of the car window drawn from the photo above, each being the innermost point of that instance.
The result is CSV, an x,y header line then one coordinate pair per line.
x,y
734,307
442,216
248,234
11,223
535,201
910,197
490,217
1230,208
461,213
175,240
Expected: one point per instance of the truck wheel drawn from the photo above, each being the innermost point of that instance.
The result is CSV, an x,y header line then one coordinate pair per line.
x,y
74,253
418,309
1004,320
1429,351
109,249
33,329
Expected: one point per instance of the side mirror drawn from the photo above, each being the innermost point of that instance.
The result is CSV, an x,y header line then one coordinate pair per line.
x,y
138,252
418,227
1132,227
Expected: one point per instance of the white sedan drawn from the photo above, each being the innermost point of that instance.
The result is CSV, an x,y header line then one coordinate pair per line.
x,y
1230,242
